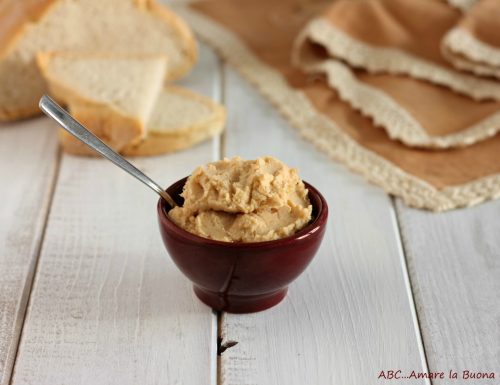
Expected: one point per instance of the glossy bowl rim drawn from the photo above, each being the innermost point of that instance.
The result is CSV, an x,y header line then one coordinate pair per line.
x,y
311,228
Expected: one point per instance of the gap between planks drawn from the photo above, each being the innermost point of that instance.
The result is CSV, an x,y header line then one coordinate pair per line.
x,y
453,265
222,100
219,153
51,191
26,211
409,288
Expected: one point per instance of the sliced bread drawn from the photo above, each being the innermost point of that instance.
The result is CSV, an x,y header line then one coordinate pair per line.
x,y
110,26
180,119
113,96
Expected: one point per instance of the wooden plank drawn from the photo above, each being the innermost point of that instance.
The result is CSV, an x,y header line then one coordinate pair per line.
x,y
350,315
454,264
108,304
28,161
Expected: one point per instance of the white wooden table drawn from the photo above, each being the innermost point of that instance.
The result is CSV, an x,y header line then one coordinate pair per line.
x,y
88,294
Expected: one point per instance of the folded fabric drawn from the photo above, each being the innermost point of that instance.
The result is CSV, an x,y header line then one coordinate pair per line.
x,y
474,44
258,37
400,37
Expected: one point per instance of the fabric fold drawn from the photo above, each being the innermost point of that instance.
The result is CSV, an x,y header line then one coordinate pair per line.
x,y
393,37
400,37
474,43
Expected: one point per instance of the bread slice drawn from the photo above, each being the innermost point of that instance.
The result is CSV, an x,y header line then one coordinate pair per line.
x,y
180,119
110,26
113,96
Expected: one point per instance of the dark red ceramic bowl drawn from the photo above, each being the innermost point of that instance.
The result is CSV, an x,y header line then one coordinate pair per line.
x,y
242,277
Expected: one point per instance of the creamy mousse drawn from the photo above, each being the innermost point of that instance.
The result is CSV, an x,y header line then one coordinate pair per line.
x,y
236,200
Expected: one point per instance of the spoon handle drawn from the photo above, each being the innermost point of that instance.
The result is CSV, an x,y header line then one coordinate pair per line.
x,y
56,112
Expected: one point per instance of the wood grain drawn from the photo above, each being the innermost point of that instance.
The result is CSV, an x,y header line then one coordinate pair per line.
x,y
350,315
454,263
108,305
28,159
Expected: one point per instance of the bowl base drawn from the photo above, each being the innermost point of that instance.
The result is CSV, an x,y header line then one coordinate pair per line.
x,y
240,303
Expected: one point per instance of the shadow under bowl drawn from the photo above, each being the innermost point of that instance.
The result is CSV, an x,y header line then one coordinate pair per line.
x,y
241,277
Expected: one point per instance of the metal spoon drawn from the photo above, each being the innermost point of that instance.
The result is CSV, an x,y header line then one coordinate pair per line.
x,y
70,124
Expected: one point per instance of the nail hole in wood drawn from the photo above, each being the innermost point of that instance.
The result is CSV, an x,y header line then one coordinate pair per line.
x,y
223,346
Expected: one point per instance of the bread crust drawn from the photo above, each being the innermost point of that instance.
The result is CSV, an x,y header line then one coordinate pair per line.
x,y
15,16
22,13
10,115
185,34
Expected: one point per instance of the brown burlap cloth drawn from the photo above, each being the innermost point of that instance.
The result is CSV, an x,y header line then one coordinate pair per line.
x,y
367,82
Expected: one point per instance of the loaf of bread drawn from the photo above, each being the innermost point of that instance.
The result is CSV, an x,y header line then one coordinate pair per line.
x,y
112,95
180,119
108,26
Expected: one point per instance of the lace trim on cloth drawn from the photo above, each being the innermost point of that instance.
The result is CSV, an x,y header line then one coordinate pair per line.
x,y
466,52
327,136
394,61
463,5
394,119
